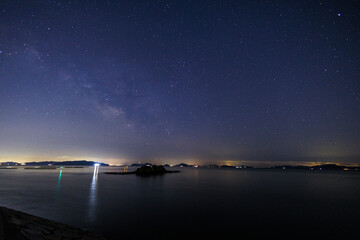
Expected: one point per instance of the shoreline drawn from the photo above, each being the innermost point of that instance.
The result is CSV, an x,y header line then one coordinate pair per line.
x,y
19,225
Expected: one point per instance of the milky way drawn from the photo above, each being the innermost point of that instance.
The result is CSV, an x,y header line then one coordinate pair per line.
x,y
180,81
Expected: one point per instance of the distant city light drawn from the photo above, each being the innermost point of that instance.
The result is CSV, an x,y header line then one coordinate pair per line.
x,y
96,164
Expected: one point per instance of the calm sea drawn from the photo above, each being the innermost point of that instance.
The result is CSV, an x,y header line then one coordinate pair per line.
x,y
195,203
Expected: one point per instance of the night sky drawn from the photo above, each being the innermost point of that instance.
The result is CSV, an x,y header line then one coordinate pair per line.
x,y
255,82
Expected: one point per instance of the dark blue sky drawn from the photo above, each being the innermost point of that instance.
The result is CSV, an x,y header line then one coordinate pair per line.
x,y
202,82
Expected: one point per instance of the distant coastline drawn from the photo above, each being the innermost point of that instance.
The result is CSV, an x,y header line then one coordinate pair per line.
x,y
145,171
84,163
54,163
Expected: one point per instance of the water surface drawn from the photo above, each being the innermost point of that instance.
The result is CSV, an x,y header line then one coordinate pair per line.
x,y
226,203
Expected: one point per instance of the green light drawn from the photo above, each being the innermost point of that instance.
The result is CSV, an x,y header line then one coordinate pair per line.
x,y
59,180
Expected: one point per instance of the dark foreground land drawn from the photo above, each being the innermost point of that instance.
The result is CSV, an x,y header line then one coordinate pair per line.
x,y
22,226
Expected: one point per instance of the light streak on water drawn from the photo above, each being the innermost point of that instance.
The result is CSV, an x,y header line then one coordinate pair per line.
x,y
59,180
58,185
93,196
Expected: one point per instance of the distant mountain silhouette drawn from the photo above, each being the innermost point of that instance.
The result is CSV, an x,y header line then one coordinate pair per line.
x,y
318,167
65,163
183,165
91,163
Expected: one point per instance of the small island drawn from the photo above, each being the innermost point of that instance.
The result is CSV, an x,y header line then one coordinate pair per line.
x,y
146,171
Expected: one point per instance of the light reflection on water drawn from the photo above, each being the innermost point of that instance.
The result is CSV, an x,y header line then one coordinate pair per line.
x,y
93,197
210,199
58,186
59,180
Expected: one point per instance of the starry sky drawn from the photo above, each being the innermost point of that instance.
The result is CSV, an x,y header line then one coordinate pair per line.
x,y
207,82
